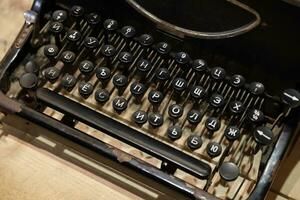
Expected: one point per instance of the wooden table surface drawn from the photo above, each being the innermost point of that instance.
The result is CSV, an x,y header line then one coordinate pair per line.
x,y
27,172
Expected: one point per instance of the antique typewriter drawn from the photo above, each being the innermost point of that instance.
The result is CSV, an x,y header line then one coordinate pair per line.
x,y
200,96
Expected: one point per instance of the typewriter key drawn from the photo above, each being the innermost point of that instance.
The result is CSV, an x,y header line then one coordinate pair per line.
x,y
86,67
140,117
56,27
125,58
237,81
163,48
28,81
110,25
179,85
182,58
197,92
77,12
137,90
155,97
51,73
143,66
263,135
212,124
291,97
59,16
175,111
229,171
85,89
232,133
51,51
31,67
257,88
91,42
103,74
162,74
256,116
68,81
93,18
73,36
194,142
128,32
199,65
236,107
194,117
155,120
214,149
218,73
217,100
174,132
146,40
68,57
119,104
108,51
120,82
102,95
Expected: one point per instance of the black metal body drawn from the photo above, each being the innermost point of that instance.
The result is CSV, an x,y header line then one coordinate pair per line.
x,y
255,49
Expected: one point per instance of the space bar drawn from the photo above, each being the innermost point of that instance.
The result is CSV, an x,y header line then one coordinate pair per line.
x,y
124,133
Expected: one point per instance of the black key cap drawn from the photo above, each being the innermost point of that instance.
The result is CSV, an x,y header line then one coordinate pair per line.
x,y
236,107
103,74
51,73
31,67
85,89
212,124
156,120
256,88
28,81
68,81
291,97
175,111
93,18
232,133
194,142
194,117
68,57
163,48
108,51
140,117
174,132
86,67
199,65
91,42
120,104
214,149
229,171
137,90
73,36
125,57
125,133
237,81
110,25
263,135
59,16
128,32
217,100
197,92
51,51
77,12
218,73
182,58
120,82
155,97
146,40
179,85
56,27
143,66
162,74
256,116
102,95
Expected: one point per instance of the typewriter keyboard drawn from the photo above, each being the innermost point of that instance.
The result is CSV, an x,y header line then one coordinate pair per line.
x,y
197,121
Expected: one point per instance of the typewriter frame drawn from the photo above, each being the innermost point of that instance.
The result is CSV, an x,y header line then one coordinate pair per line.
x,y
10,106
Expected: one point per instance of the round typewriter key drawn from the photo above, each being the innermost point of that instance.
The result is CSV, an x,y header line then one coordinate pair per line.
x,y
86,67
162,74
120,80
212,124
236,107
110,25
174,132
91,42
182,58
218,73
108,50
56,27
197,92
256,88
125,57
140,117
144,65
214,149
50,51
77,11
155,97
103,74
175,111
256,116
237,81
68,81
68,57
194,116
199,65
85,89
194,142
93,18
155,119
263,135
179,84
101,95
232,133
146,40
217,100
119,104
128,31
229,171
28,81
73,36
51,73
31,67
59,16
291,97
137,89
163,48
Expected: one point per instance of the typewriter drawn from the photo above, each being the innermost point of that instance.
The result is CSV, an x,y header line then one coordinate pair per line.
x,y
199,96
